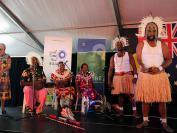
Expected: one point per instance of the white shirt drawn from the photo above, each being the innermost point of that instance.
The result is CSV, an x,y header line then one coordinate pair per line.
x,y
122,64
152,56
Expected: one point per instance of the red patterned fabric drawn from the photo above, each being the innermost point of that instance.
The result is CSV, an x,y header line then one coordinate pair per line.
x,y
85,84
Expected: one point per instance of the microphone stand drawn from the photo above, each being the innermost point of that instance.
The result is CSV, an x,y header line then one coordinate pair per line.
x,y
69,70
33,88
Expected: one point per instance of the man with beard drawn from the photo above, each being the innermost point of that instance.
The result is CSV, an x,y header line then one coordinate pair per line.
x,y
123,79
153,83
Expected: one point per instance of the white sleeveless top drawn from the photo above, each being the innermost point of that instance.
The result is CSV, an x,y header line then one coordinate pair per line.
x,y
152,56
121,64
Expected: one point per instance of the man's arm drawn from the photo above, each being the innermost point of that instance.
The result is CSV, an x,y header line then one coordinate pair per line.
x,y
167,56
24,77
111,70
132,62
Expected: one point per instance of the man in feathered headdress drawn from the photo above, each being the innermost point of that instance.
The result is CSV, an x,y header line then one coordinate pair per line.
x,y
123,79
33,80
153,83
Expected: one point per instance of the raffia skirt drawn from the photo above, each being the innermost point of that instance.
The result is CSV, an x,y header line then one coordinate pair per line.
x,y
153,88
122,84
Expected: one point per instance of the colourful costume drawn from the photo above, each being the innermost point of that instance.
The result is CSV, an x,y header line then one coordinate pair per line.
x,y
85,85
36,77
5,92
64,91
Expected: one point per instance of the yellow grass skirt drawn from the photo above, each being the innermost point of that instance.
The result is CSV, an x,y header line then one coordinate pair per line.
x,y
122,84
153,88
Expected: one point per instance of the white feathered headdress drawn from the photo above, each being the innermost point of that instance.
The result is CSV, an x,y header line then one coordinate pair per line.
x,y
149,19
123,40
33,54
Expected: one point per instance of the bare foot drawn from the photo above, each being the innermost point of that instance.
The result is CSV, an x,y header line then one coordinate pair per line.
x,y
143,124
167,128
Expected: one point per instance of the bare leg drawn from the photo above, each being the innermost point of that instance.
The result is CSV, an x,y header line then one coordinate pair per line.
x,y
145,109
120,103
163,113
3,106
132,100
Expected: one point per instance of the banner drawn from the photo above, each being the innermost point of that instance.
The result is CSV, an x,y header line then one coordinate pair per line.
x,y
56,49
92,52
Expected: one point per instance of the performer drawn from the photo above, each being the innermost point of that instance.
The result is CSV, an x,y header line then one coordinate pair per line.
x,y
153,83
62,79
123,80
85,88
33,78
5,65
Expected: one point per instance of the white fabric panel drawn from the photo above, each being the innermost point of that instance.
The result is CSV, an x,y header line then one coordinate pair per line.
x,y
56,49
132,11
104,33
54,14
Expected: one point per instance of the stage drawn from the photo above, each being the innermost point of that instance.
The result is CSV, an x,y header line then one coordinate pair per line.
x,y
93,123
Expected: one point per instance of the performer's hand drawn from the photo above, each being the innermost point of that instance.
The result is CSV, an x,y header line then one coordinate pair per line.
x,y
144,69
78,94
154,70
134,80
38,84
109,84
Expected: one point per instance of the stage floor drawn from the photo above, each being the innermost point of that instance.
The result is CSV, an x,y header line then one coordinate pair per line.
x,y
93,123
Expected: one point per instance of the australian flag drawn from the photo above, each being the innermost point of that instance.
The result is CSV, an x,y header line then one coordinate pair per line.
x,y
171,40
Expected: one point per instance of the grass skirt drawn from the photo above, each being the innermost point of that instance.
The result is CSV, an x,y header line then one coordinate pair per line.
x,y
153,88
122,84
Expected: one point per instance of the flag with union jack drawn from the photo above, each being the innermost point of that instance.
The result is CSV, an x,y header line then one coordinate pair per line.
x,y
170,37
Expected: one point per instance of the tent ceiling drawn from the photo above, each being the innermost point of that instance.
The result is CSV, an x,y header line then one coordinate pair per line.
x,y
75,18
132,11
7,26
39,15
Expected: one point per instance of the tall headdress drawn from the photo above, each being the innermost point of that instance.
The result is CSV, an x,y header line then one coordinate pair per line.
x,y
123,40
149,19
30,55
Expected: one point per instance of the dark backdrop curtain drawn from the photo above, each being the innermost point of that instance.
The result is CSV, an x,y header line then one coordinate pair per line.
x,y
17,67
